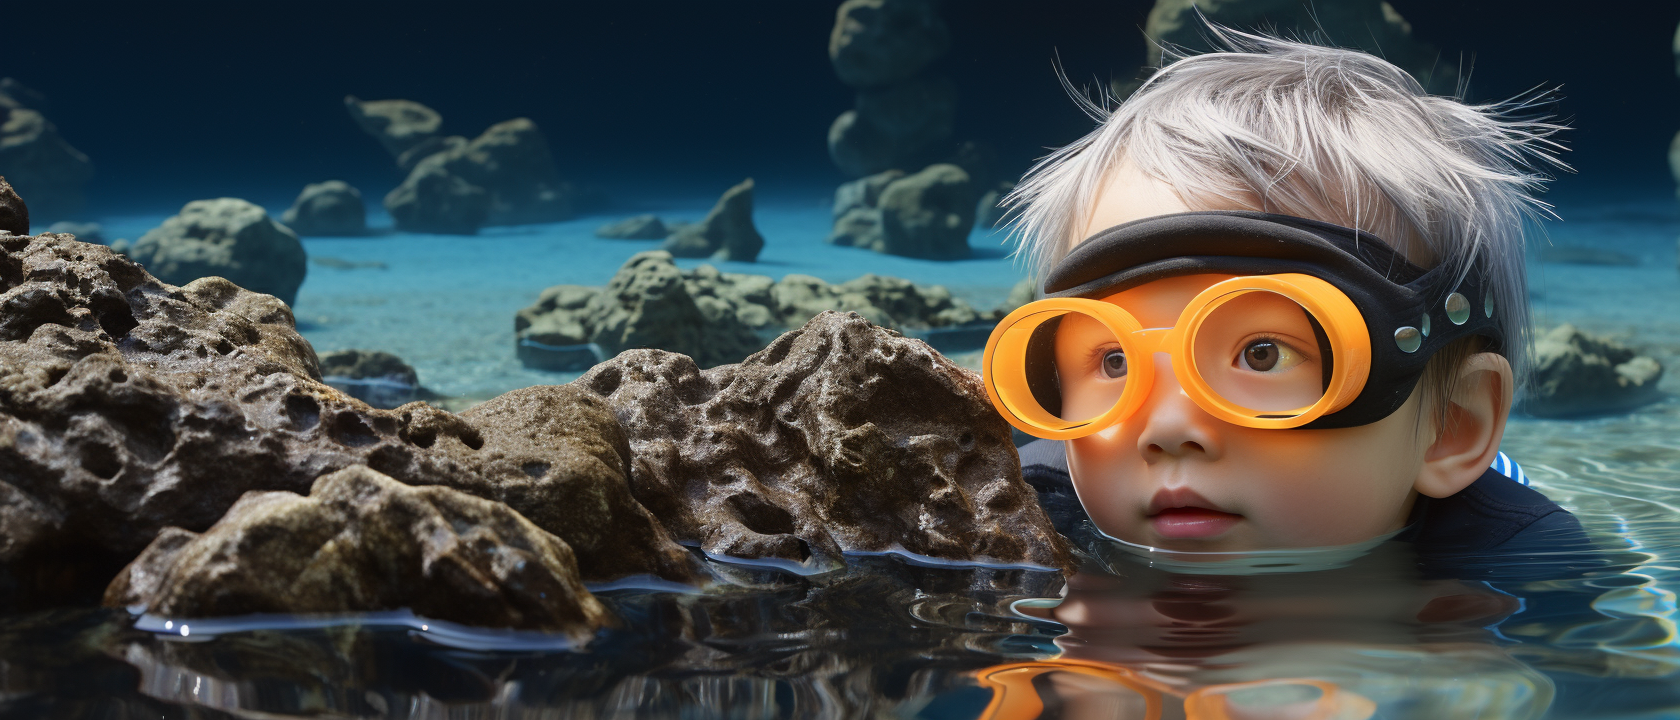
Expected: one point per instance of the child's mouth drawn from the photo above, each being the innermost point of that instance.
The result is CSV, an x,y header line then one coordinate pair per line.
x,y
1189,523
1183,514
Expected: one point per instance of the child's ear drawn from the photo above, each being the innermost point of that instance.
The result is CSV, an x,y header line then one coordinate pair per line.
x,y
1466,444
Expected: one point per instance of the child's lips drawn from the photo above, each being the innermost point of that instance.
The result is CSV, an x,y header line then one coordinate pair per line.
x,y
1183,514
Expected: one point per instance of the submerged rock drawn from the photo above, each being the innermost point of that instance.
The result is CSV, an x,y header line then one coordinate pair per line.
x,y
727,233
434,200
128,406
1579,374
329,208
925,215
880,42
35,159
713,317
640,227
225,237
838,437
398,125
362,541
377,378
86,232
14,214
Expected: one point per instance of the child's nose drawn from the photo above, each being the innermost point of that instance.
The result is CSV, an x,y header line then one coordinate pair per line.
x,y
1174,426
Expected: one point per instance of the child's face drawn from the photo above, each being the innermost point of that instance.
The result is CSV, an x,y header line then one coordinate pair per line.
x,y
1173,476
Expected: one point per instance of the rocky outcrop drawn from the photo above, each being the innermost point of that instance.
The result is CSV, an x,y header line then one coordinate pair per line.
x,y
35,159
1579,374
504,176
903,115
433,200
925,215
640,227
1369,25
361,541
838,437
225,237
128,406
727,233
329,208
398,125
377,378
14,214
713,317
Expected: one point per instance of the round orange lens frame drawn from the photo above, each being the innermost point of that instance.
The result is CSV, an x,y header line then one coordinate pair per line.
x,y
1005,369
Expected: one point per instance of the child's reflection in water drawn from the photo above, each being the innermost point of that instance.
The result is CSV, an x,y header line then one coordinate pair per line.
x,y
1369,640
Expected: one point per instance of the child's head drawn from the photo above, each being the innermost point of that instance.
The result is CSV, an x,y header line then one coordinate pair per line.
x,y
1330,135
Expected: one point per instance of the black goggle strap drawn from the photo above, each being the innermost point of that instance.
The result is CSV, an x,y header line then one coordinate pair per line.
x,y
1326,356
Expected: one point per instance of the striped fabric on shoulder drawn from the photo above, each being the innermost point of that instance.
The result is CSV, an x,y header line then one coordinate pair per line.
x,y
1504,465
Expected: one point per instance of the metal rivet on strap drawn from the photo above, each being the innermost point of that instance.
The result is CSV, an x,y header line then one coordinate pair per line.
x,y
1408,338
1424,324
1458,309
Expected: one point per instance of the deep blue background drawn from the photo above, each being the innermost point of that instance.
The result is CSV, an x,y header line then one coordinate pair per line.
x,y
652,98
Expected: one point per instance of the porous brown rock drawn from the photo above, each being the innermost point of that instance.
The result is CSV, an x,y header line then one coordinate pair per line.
x,y
727,233
225,237
1580,374
36,159
398,125
128,406
639,227
14,214
711,316
839,437
329,208
361,541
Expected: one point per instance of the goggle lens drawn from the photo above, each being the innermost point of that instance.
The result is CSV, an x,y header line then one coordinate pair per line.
x,y
1264,352
1067,368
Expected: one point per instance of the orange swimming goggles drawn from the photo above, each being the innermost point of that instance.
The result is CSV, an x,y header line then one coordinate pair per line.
x,y
1316,326
1019,689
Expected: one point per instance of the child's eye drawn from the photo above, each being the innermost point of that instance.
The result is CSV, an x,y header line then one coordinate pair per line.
x,y
1114,363
1268,356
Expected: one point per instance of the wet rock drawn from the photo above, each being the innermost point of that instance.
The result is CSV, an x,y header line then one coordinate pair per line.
x,y
862,193
1580,374
434,200
727,233
640,227
35,159
377,378
329,208
1369,25
362,541
225,237
711,316
880,42
838,437
928,214
398,125
128,406
86,232
14,214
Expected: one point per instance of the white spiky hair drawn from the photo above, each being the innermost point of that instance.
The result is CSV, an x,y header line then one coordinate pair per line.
x,y
1319,132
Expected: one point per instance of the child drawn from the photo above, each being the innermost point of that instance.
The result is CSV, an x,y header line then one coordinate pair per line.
x,y
1284,307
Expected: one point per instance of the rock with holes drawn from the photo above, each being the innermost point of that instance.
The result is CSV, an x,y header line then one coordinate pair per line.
x,y
128,406
377,378
225,237
839,437
362,541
